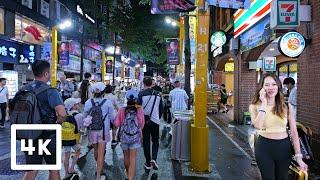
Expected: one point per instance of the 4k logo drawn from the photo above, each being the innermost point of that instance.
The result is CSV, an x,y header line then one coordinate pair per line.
x,y
35,147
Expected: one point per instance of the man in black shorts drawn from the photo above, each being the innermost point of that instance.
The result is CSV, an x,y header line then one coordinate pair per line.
x,y
52,111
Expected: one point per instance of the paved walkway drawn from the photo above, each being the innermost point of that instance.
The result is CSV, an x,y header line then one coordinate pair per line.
x,y
226,160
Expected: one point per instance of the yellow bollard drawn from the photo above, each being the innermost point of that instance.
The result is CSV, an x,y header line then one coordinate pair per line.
x,y
54,61
200,130
103,65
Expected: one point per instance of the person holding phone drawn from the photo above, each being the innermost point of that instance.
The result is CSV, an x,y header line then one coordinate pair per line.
x,y
270,116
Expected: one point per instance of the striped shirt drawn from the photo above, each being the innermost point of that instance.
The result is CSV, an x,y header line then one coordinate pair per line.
x,y
178,98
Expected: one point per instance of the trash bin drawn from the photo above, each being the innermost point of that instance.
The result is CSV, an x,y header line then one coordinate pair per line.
x,y
180,148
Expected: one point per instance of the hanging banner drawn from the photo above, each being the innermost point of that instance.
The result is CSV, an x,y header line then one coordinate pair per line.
x,y
259,34
173,51
171,6
64,53
234,4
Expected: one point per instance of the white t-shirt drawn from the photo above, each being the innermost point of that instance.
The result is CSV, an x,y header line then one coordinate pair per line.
x,y
3,94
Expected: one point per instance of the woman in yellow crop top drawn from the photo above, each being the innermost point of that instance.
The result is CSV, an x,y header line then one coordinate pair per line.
x,y
269,116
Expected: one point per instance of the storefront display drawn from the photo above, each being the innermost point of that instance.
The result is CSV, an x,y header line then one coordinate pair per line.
x,y
12,81
28,31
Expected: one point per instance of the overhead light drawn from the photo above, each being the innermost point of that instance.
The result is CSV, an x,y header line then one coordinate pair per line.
x,y
174,23
65,24
168,20
271,49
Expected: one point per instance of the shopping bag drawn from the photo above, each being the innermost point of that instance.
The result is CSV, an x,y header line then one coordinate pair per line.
x,y
296,174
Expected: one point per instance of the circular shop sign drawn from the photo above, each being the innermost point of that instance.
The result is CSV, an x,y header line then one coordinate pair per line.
x,y
218,39
292,44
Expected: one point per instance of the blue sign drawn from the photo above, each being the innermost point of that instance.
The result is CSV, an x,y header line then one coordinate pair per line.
x,y
234,4
14,52
259,34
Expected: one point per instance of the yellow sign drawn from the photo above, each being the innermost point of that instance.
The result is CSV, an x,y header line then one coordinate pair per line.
x,y
229,67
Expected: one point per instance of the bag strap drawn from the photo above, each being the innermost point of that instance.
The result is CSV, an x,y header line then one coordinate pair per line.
x,y
93,103
148,100
102,102
2,89
154,102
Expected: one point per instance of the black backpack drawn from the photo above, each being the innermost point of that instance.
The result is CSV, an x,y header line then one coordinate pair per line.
x,y
26,110
97,116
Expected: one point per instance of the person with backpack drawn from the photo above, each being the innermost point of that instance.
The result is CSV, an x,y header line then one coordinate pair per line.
x,y
65,87
110,96
130,120
101,112
151,102
42,105
4,100
71,136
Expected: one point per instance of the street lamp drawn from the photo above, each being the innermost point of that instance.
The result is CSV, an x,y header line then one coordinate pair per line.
x,y
65,24
172,22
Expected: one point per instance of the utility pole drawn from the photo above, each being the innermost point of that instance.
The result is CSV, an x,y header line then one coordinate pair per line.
x,y
187,69
200,129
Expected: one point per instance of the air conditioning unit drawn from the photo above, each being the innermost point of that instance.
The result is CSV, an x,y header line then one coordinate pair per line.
x,y
234,44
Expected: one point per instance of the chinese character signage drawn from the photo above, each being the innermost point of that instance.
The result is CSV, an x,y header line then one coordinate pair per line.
x,y
269,64
259,34
13,52
173,51
171,6
234,4
64,53
285,14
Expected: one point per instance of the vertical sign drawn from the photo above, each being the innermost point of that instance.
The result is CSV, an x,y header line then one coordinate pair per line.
x,y
109,63
64,53
173,51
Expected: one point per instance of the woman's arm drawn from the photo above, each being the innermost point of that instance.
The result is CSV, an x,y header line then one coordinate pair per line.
x,y
258,116
119,118
295,139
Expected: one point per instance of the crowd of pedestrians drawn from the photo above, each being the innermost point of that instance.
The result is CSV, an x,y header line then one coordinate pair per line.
x,y
88,112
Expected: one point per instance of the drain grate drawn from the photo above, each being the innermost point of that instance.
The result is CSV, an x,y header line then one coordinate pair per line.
x,y
5,166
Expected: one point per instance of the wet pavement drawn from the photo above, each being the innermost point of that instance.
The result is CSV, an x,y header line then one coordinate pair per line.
x,y
226,160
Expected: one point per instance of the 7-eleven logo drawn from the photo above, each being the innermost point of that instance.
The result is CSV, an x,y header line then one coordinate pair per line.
x,y
288,11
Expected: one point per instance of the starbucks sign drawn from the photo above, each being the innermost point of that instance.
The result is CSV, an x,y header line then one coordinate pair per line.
x,y
292,44
218,39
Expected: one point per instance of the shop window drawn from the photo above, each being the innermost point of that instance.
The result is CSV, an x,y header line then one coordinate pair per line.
x,y
1,21
29,31
288,70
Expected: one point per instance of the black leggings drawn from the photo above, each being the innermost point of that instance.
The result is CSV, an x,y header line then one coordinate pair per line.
x,y
273,157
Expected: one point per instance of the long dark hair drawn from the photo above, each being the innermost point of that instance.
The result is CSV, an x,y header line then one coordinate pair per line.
x,y
131,105
84,91
280,108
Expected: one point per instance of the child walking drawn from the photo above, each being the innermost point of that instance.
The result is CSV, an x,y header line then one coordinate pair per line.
x,y
130,119
71,136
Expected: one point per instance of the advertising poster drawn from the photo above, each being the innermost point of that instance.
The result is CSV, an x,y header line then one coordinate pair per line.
x,y
234,4
109,66
259,34
46,52
64,53
74,48
173,51
127,71
171,6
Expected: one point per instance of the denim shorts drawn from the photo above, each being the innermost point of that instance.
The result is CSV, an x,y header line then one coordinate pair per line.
x,y
130,146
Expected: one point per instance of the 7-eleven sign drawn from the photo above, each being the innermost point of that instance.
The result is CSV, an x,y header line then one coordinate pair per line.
x,y
285,14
